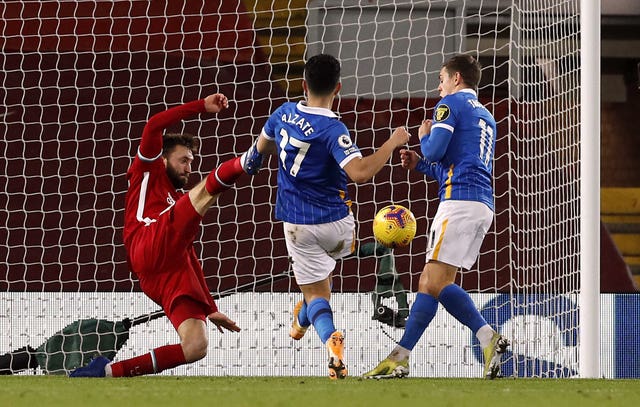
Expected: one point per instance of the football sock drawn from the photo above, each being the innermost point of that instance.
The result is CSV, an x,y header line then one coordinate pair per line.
x,y
321,316
399,353
459,304
159,359
422,312
223,177
484,335
303,318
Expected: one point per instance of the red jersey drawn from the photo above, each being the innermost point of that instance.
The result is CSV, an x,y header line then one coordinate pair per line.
x,y
160,223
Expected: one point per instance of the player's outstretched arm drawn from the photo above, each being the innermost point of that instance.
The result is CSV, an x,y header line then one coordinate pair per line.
x,y
266,146
363,169
151,142
221,321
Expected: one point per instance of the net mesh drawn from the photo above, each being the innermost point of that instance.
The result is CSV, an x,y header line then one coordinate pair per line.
x,y
80,79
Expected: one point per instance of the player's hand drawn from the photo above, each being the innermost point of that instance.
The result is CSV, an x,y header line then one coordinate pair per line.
x,y
400,136
220,320
409,159
215,103
425,128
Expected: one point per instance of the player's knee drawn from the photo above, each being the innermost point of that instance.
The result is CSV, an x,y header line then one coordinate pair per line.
x,y
195,349
432,287
433,290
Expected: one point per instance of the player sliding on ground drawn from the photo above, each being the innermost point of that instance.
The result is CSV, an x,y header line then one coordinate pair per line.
x,y
315,155
458,147
161,224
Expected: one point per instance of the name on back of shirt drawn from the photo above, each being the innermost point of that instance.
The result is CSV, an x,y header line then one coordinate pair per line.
x,y
475,103
297,120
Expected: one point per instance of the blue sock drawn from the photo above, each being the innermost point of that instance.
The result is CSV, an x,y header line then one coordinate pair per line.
x,y
459,304
420,316
303,318
320,314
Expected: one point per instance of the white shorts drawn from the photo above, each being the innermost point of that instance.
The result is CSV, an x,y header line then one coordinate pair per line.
x,y
314,248
457,232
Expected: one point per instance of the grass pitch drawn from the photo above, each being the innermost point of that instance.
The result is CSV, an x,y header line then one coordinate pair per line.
x,y
155,391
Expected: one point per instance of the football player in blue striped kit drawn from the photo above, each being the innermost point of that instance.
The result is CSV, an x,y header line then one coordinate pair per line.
x,y
315,155
458,148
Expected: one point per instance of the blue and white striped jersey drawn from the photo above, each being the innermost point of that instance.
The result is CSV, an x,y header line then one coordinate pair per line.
x,y
313,147
464,172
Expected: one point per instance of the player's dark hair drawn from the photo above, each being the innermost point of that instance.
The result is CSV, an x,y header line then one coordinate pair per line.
x,y
467,66
171,140
322,73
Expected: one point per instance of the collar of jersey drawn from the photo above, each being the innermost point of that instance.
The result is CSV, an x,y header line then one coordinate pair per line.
x,y
302,106
469,90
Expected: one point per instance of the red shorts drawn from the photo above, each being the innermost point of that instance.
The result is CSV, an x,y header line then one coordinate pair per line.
x,y
184,308
163,258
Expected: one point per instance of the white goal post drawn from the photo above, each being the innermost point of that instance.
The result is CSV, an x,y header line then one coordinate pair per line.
x,y
80,79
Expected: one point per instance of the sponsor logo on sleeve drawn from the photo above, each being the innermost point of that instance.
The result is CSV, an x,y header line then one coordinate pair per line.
x,y
442,113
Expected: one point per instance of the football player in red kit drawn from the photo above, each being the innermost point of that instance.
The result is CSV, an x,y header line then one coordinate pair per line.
x,y
161,224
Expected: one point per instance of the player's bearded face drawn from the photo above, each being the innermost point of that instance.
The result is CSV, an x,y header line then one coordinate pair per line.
x,y
178,164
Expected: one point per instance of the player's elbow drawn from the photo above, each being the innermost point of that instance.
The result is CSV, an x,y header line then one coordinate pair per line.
x,y
432,152
434,147
359,170
360,177
434,156
154,124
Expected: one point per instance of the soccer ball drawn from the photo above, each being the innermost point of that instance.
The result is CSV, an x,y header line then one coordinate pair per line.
x,y
394,226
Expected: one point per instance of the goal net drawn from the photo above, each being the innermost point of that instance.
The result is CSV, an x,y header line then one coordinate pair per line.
x,y
80,79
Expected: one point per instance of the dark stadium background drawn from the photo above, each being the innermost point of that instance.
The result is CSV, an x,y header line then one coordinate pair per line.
x,y
75,101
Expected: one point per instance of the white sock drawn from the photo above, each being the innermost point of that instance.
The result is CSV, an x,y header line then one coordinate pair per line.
x,y
399,353
107,370
484,335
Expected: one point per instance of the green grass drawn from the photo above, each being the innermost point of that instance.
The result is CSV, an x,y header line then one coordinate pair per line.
x,y
157,391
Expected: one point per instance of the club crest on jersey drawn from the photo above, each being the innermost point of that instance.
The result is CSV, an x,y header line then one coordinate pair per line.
x,y
345,141
442,113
